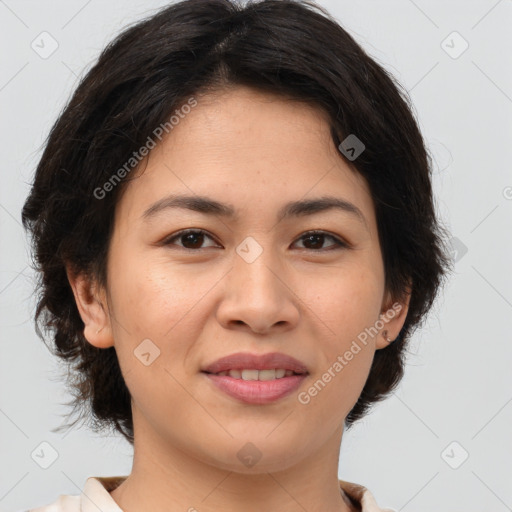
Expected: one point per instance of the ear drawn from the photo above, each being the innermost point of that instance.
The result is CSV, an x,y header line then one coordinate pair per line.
x,y
92,305
392,316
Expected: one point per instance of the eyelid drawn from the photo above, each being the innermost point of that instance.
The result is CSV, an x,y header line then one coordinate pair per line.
x,y
168,239
339,242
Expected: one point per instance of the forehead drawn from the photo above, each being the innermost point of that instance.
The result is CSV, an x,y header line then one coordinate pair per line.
x,y
252,149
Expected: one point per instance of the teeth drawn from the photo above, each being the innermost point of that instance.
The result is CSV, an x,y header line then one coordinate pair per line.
x,y
266,375
271,374
250,374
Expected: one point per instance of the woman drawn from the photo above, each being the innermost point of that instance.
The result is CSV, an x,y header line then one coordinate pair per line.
x,y
234,224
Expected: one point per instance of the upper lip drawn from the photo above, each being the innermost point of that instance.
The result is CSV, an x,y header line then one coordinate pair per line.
x,y
245,360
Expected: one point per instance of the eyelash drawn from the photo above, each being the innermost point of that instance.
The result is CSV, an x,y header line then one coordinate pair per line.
x,y
339,244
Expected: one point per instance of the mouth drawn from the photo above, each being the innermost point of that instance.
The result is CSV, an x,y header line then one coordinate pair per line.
x,y
256,379
253,374
247,362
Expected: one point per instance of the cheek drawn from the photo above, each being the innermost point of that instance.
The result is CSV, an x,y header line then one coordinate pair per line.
x,y
349,308
165,303
349,302
153,295
154,327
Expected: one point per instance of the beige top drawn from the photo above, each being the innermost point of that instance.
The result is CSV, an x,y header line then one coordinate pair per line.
x,y
95,496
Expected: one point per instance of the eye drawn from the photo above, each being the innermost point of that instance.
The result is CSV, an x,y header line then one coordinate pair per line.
x,y
194,238
191,238
316,238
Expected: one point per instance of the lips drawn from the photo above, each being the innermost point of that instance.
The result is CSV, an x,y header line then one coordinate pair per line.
x,y
256,379
256,392
246,361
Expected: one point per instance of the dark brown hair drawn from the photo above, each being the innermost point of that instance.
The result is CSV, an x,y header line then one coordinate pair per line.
x,y
287,47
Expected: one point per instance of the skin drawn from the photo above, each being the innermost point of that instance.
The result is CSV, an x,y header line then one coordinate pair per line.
x,y
254,151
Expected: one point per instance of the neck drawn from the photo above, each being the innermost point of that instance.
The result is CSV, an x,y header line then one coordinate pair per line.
x,y
173,480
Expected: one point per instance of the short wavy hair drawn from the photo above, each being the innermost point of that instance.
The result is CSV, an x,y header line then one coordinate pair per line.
x,y
287,47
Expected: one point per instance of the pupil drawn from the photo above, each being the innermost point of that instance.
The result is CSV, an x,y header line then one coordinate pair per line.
x,y
190,237
195,239
313,237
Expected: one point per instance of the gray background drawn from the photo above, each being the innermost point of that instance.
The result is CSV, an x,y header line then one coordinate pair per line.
x,y
457,386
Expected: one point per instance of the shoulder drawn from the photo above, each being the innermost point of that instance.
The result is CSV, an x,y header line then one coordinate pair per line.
x,y
64,503
362,497
96,492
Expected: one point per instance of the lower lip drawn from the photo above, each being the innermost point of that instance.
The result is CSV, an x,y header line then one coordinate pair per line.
x,y
256,391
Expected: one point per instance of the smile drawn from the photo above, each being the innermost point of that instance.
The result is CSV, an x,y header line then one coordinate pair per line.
x,y
271,374
257,387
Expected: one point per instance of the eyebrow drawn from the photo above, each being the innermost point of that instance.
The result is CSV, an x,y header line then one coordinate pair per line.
x,y
209,206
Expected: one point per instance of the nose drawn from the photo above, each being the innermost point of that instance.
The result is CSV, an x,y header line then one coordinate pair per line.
x,y
258,296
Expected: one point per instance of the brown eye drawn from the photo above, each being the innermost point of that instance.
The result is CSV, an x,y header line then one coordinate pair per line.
x,y
314,240
190,239
193,239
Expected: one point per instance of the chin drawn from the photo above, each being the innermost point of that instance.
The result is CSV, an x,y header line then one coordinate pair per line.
x,y
259,455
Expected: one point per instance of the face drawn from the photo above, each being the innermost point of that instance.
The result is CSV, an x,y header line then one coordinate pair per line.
x,y
191,282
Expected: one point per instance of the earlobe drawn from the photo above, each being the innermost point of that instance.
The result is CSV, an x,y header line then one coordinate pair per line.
x,y
92,306
391,320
